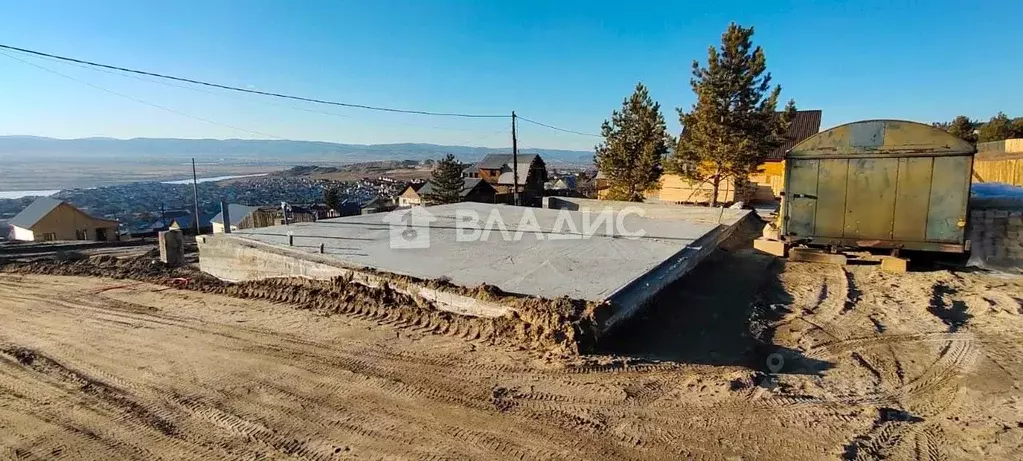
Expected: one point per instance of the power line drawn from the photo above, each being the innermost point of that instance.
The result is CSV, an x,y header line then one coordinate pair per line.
x,y
168,109
223,95
246,90
107,68
524,119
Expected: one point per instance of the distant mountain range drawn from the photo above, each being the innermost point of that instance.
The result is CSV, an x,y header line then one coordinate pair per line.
x,y
37,148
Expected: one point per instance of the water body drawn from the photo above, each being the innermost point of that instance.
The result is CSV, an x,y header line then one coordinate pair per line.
x,y
26,193
213,179
13,194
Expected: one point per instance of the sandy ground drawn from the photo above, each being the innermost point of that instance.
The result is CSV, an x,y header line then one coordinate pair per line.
x,y
869,365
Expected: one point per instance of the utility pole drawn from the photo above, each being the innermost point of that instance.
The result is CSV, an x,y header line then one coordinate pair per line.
x,y
225,214
195,195
515,164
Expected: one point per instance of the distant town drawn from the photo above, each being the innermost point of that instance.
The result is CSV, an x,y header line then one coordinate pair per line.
x,y
144,208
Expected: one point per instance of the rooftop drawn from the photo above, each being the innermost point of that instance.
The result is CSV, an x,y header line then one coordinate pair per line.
x,y
497,161
237,214
37,210
806,123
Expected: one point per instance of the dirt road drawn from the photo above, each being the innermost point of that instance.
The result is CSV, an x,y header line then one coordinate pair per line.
x,y
914,366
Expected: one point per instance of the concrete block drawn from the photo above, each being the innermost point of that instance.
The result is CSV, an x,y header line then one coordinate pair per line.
x,y
771,232
172,248
816,256
893,264
772,247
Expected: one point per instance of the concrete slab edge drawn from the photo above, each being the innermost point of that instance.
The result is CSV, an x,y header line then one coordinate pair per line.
x,y
282,262
632,298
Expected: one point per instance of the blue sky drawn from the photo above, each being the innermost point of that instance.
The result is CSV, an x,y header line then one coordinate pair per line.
x,y
567,63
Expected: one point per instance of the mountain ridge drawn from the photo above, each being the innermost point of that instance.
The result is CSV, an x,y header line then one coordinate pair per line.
x,y
106,147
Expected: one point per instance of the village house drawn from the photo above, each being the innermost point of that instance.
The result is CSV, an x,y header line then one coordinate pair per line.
x,y
185,223
240,215
473,190
769,178
496,170
410,196
564,185
251,217
48,219
765,184
379,204
322,211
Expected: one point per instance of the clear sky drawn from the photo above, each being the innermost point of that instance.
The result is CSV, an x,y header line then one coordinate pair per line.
x,y
567,63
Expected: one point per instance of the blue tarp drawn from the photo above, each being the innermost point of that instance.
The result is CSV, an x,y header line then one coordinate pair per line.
x,y
996,190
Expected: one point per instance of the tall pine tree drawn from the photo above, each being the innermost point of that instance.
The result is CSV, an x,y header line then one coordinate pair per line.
x,y
635,140
446,181
996,129
1017,127
733,125
963,128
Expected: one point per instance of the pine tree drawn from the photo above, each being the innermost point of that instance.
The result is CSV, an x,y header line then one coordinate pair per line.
x,y
446,181
996,129
1017,127
963,128
635,140
332,197
733,126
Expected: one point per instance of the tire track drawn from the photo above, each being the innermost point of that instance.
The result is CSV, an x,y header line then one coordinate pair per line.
x,y
40,363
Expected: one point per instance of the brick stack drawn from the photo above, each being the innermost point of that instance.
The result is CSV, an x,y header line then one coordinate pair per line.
x,y
996,237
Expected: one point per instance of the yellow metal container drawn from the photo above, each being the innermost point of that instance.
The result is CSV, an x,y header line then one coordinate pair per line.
x,y
880,184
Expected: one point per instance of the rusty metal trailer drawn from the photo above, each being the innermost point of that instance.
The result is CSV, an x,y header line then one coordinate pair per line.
x,y
878,184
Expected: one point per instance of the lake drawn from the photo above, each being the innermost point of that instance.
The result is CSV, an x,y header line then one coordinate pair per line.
x,y
12,194
213,179
26,193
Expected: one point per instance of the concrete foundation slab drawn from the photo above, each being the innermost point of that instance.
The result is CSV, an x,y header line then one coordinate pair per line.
x,y
604,252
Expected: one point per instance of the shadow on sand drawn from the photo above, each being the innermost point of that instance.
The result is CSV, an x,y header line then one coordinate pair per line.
x,y
719,314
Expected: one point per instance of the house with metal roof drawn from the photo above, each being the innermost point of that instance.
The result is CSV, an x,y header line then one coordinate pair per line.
x,y
378,204
765,184
473,190
499,171
769,177
240,215
185,222
48,219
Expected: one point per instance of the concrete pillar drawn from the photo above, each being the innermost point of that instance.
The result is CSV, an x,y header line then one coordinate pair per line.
x,y
172,248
